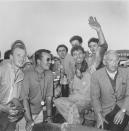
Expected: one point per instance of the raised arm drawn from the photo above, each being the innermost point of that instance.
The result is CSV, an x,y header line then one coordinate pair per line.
x,y
94,24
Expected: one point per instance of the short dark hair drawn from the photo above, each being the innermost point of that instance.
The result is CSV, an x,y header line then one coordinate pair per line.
x,y
38,54
96,40
62,45
76,48
76,37
18,44
7,54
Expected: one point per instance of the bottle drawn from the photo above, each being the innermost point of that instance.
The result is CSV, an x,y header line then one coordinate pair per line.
x,y
64,86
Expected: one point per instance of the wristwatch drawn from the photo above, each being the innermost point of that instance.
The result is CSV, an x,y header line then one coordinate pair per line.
x,y
123,110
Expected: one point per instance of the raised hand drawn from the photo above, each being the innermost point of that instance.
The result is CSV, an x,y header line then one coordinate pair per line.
x,y
94,23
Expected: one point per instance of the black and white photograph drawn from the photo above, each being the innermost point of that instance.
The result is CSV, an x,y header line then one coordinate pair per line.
x,y
64,65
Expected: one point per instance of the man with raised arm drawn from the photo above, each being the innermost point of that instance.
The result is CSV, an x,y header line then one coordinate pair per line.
x,y
97,46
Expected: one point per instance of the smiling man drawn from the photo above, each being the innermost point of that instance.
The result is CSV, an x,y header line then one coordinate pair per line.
x,y
11,78
37,90
110,94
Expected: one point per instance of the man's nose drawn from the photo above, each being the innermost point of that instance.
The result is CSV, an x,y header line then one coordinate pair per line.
x,y
114,63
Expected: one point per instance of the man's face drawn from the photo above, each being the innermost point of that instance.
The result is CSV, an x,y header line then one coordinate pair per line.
x,y
62,52
45,61
93,46
78,56
112,63
75,43
18,57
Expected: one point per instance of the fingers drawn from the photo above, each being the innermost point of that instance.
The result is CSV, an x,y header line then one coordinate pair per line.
x,y
91,20
29,128
100,126
115,119
105,121
95,20
118,119
100,123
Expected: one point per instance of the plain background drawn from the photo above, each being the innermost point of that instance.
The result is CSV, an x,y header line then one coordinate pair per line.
x,y
46,24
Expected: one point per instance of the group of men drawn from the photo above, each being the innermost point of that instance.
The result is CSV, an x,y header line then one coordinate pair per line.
x,y
34,88
109,85
97,46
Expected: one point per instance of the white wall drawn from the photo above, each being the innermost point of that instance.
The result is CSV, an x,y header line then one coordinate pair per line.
x,y
45,24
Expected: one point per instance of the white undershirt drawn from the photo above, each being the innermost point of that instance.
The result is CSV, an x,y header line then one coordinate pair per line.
x,y
112,75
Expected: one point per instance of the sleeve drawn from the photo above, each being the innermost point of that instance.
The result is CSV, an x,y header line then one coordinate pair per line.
x,y
49,90
126,102
25,87
99,55
104,48
95,94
